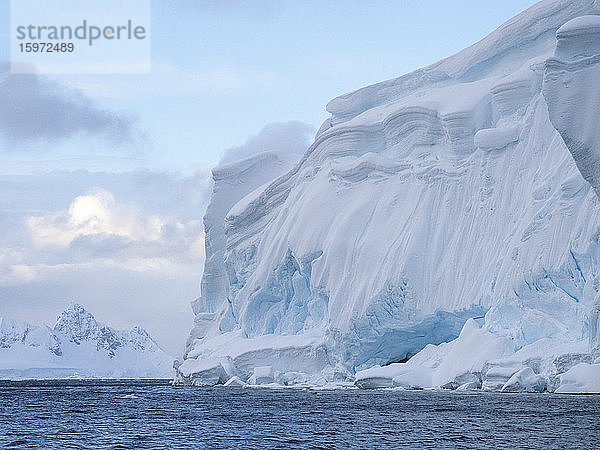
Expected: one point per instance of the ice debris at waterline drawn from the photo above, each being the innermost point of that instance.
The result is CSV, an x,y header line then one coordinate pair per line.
x,y
439,232
79,346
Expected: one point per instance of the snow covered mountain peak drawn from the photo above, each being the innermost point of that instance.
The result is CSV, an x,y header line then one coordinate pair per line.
x,y
19,332
78,345
77,324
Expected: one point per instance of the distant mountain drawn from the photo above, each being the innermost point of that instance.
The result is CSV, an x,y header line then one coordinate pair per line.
x,y
79,346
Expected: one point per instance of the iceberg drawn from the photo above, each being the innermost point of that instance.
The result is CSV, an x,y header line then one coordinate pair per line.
x,y
581,379
204,372
440,232
81,347
525,380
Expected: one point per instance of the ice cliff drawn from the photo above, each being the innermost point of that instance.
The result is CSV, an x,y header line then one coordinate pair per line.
x,y
441,230
78,346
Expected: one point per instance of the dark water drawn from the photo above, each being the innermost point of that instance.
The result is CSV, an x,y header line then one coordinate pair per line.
x,y
155,415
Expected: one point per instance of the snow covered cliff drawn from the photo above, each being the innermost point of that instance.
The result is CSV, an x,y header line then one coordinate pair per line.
x,y
78,346
439,228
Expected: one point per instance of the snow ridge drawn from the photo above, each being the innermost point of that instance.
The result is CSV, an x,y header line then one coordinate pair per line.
x,y
78,345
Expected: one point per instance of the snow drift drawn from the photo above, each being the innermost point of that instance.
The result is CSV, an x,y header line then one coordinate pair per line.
x,y
79,346
438,232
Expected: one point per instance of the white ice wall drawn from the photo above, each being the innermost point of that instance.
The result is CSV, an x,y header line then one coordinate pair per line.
x,y
426,200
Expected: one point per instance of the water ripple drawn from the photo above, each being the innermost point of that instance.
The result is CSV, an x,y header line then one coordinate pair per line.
x,y
145,415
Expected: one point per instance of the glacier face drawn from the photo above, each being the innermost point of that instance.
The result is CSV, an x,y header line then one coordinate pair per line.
x,y
78,346
234,185
573,94
443,204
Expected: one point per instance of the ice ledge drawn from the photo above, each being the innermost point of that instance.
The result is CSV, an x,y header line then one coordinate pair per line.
x,y
496,138
572,92
578,38
264,360
579,25
581,379
480,360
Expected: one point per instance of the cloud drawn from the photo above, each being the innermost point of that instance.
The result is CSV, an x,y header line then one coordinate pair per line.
x,y
95,225
96,214
36,109
288,137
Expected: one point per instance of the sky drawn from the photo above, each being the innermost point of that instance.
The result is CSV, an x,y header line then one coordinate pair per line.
x,y
104,179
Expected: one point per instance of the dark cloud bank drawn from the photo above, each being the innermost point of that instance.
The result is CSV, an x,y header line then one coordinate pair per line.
x,y
34,108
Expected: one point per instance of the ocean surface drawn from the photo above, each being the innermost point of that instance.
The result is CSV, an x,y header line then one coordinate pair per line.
x,y
153,414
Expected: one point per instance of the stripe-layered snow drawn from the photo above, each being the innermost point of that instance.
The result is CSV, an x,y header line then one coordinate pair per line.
x,y
442,196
